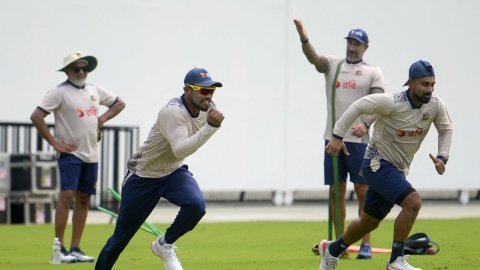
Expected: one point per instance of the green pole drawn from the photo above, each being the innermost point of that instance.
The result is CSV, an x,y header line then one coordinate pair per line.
x,y
113,214
329,216
336,181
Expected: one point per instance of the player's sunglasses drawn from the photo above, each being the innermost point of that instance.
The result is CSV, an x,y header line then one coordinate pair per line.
x,y
204,91
78,69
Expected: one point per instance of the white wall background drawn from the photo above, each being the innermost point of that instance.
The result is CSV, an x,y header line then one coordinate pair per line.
x,y
273,99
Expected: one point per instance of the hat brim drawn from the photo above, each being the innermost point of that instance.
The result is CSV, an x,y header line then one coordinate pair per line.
x,y
357,39
91,63
406,83
210,83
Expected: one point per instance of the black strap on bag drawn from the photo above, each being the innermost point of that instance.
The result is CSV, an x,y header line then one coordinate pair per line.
x,y
421,244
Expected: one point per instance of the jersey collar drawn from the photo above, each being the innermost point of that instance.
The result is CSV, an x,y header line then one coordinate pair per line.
x,y
78,87
185,105
353,62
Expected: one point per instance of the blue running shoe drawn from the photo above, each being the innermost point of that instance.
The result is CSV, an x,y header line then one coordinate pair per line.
x,y
365,251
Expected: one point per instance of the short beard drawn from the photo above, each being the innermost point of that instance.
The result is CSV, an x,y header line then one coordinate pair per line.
x,y
199,106
77,82
425,99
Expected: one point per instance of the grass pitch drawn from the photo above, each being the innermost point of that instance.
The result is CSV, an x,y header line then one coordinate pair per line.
x,y
245,246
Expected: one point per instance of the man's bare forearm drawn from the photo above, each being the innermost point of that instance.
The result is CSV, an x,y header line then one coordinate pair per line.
x,y
319,61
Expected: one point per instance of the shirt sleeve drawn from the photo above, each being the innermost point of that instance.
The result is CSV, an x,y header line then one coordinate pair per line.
x,y
370,104
107,98
443,124
377,79
173,125
51,101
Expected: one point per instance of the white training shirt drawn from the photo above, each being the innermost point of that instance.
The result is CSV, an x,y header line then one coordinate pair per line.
x,y
354,82
76,116
174,136
399,129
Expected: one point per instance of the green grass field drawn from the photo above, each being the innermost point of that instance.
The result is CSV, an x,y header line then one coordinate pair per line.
x,y
246,246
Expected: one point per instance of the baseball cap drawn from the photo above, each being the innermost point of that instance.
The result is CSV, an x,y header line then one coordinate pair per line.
x,y
79,56
420,69
200,77
359,35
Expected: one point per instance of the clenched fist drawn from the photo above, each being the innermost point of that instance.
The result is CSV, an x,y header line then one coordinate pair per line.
x,y
214,117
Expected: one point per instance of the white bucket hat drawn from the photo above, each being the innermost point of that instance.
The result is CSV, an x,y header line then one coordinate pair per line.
x,y
79,56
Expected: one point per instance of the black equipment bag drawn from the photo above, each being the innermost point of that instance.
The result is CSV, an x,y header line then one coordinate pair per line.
x,y
421,244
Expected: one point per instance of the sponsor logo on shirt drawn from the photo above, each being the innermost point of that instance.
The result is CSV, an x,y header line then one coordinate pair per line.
x,y
92,111
351,84
409,133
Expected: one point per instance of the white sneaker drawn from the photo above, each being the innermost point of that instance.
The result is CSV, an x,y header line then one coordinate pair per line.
x,y
328,261
401,264
67,258
167,253
80,256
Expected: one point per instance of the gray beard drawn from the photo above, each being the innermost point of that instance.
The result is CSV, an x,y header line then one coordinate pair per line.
x,y
77,82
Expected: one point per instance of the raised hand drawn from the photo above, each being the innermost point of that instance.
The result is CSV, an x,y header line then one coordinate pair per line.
x,y
301,31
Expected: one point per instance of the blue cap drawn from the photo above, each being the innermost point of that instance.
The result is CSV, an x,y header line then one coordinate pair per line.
x,y
359,35
420,69
200,77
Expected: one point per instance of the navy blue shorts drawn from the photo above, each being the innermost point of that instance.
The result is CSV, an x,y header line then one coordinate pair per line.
x,y
347,165
76,174
387,186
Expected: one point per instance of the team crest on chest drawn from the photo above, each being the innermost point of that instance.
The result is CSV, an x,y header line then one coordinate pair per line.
x,y
358,73
426,116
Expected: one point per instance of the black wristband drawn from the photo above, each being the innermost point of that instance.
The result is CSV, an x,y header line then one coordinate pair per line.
x,y
304,41
212,125
442,158
337,137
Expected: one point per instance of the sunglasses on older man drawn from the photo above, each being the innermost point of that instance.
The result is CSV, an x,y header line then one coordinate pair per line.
x,y
78,69
203,90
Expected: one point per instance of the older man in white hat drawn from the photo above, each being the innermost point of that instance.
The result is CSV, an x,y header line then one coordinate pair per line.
x,y
75,105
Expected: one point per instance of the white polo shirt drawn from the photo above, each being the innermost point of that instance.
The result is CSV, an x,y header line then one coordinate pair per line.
x,y
76,116
354,82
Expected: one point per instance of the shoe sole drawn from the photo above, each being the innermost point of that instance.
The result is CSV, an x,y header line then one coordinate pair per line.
x,y
363,257
388,268
64,262
83,261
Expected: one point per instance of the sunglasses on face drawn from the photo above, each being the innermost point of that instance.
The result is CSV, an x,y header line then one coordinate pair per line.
x,y
78,69
204,91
